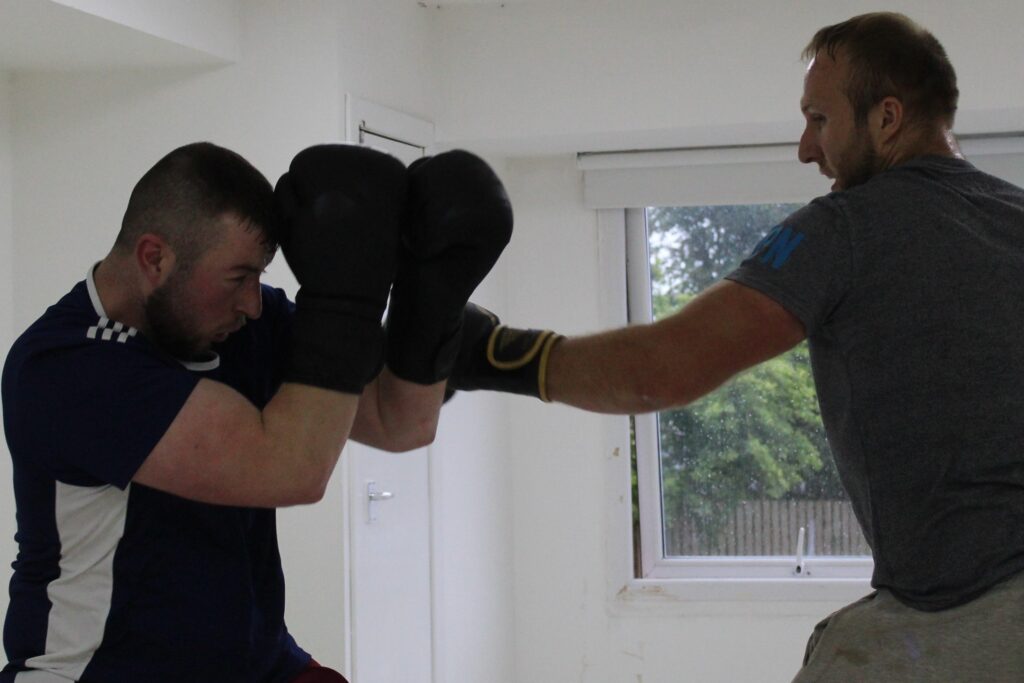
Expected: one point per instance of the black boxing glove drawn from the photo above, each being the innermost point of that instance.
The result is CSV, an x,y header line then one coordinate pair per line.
x,y
499,358
459,221
341,208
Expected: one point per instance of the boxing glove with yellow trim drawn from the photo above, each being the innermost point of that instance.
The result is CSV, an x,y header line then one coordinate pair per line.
x,y
495,357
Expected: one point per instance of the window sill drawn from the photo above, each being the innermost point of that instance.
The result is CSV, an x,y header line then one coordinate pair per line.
x,y
790,597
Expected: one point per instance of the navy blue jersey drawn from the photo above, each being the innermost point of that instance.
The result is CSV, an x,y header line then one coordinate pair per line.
x,y
114,581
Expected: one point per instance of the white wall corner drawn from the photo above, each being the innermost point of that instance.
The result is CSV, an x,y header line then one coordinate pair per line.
x,y
8,549
6,219
210,26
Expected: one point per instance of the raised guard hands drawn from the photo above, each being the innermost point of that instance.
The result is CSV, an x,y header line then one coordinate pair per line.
x,y
341,208
459,221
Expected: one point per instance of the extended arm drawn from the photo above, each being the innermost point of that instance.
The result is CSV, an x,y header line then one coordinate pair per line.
x,y
723,331
641,368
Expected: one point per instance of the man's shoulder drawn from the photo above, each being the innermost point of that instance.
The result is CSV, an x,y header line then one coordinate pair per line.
x,y
70,333
72,320
64,321
932,172
926,185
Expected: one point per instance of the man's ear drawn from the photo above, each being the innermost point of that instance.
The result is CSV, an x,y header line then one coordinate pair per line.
x,y
154,258
887,121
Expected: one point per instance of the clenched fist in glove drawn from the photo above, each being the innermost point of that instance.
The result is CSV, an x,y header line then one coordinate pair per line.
x,y
341,208
459,221
499,358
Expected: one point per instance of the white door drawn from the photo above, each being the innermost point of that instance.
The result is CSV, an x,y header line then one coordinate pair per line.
x,y
389,542
390,604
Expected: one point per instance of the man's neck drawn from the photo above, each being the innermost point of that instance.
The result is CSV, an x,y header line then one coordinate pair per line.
x,y
118,291
935,143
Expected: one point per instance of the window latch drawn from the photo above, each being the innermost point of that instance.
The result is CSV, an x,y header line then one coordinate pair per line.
x,y
801,568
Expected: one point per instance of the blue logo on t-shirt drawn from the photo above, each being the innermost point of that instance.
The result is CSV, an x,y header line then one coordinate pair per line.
x,y
777,246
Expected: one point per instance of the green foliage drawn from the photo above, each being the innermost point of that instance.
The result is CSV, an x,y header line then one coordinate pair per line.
x,y
693,247
760,435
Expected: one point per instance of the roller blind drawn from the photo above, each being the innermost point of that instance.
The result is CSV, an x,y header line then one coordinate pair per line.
x,y
745,174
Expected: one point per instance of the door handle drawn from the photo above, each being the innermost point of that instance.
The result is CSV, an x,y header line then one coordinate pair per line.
x,y
375,495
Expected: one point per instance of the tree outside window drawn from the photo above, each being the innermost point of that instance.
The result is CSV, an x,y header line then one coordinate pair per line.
x,y
747,465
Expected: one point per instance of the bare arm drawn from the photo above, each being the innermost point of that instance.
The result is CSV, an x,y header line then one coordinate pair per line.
x,y
397,415
726,329
222,449
341,210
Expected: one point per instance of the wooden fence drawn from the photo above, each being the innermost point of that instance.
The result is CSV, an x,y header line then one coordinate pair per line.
x,y
770,527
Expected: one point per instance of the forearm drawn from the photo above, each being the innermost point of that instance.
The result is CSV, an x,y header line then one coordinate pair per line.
x,y
620,372
628,370
635,369
397,415
222,449
304,429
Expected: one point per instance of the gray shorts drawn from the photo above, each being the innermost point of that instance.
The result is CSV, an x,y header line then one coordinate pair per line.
x,y
879,639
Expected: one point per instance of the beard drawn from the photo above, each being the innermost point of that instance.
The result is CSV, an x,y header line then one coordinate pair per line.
x,y
860,168
170,325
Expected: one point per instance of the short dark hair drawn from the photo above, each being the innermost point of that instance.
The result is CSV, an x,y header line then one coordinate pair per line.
x,y
187,192
891,56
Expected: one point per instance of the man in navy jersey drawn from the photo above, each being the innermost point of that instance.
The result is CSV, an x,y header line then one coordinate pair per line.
x,y
159,412
907,282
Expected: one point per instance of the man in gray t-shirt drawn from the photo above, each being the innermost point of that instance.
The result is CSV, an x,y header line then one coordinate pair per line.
x,y
906,280
903,285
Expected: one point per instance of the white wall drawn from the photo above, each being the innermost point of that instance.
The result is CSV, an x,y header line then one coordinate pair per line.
x,y
387,55
6,208
579,75
7,523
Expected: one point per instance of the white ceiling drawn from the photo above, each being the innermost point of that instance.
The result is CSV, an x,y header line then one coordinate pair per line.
x,y
445,3
41,35
47,35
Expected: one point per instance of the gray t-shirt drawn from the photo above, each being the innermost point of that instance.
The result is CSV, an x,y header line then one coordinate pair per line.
x,y
911,290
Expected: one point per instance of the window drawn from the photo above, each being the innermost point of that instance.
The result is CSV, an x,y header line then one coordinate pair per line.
x,y
707,478
744,483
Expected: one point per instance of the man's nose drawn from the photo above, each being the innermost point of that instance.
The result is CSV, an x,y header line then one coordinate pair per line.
x,y
808,151
251,304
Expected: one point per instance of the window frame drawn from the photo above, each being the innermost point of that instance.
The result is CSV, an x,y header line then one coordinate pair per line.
x,y
654,563
668,592
614,184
